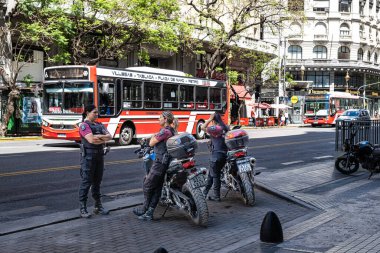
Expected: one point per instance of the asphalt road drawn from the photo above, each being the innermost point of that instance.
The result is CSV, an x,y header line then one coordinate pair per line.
x,y
42,177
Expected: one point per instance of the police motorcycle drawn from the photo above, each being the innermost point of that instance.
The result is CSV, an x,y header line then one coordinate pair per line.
x,y
238,174
183,180
362,153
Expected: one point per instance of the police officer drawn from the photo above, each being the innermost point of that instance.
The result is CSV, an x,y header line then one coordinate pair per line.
x,y
155,179
93,135
216,131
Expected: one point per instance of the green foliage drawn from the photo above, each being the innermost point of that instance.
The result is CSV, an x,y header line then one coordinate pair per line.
x,y
232,77
28,79
87,31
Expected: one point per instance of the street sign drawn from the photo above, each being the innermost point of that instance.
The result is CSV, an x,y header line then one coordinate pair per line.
x,y
294,99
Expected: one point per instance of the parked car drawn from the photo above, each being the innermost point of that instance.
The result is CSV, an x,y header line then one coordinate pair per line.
x,y
355,114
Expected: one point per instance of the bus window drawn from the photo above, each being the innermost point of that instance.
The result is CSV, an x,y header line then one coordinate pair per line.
x,y
170,96
132,94
76,96
106,98
201,98
215,99
224,100
152,95
187,97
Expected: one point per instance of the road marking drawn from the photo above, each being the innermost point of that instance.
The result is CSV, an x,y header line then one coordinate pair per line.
x,y
293,162
23,210
323,157
36,171
113,194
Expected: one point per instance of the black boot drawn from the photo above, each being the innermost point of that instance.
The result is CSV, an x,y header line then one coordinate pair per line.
x,y
216,196
83,210
139,211
148,215
99,209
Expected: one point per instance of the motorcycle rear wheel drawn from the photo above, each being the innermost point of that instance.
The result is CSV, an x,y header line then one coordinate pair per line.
x,y
343,167
249,191
199,209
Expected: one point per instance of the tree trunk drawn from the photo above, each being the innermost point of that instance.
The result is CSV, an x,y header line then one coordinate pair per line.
x,y
13,99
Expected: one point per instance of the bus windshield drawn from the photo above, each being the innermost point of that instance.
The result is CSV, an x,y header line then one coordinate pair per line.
x,y
67,97
316,107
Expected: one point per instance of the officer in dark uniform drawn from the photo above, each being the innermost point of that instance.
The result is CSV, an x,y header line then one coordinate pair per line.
x,y
94,136
219,150
155,179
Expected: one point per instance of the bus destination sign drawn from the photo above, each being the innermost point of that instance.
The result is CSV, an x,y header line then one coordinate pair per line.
x,y
66,73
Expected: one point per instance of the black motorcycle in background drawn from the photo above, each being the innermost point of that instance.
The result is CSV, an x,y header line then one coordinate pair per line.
x,y
238,174
183,180
362,153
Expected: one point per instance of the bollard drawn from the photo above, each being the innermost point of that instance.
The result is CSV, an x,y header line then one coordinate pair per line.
x,y
160,250
271,229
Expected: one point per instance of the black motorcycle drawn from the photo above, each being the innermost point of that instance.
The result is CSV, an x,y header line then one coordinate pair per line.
x,y
362,153
183,180
239,171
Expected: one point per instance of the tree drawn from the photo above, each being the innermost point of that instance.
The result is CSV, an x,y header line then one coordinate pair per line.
x,y
84,32
221,24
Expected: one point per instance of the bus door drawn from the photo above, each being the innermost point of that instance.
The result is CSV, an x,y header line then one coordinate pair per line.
x,y
106,92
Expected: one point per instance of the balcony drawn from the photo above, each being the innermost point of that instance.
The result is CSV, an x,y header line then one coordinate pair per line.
x,y
320,37
363,40
295,37
345,37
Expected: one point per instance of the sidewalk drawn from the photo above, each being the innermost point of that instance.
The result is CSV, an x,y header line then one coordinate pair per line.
x,y
320,211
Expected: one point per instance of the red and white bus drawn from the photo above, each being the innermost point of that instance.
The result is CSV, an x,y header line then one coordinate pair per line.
x,y
129,100
324,109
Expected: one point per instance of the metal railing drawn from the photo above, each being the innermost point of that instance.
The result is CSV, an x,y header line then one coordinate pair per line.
x,y
368,130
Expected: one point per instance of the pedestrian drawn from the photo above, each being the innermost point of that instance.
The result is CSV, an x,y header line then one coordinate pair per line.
x,y
154,181
253,116
93,136
286,117
282,119
216,131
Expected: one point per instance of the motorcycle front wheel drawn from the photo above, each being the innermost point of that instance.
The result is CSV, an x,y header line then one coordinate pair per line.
x,y
248,190
346,166
198,206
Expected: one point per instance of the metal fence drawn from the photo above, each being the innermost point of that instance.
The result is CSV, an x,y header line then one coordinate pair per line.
x,y
366,131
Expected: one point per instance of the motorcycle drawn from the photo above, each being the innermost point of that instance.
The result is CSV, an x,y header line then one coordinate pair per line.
x,y
183,180
238,173
362,153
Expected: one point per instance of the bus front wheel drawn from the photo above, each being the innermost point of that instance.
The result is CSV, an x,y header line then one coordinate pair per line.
x,y
126,135
200,134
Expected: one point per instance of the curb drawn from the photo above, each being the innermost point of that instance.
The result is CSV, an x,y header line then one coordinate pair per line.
x,y
285,196
4,139
34,222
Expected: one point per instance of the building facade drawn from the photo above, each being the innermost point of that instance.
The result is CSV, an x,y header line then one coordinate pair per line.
x,y
336,48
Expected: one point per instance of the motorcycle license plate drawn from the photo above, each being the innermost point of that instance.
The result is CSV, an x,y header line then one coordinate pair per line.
x,y
244,166
197,181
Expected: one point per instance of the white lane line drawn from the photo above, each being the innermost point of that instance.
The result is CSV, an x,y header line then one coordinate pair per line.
x,y
23,210
323,157
293,162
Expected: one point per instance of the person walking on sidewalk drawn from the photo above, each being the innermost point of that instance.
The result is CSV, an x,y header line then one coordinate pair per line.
x,y
93,136
216,131
253,116
154,181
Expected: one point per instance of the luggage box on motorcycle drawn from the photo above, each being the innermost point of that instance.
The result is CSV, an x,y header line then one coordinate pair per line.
x,y
236,139
181,146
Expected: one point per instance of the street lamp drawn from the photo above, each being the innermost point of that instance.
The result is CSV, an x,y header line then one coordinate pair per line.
x,y
347,77
302,72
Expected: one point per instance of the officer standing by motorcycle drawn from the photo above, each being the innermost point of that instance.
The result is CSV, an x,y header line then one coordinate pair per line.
x,y
154,180
219,149
93,136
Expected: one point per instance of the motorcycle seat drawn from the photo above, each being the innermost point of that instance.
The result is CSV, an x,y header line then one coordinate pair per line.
x,y
376,151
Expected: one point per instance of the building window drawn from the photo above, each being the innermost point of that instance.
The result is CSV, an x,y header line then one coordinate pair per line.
x,y
360,54
320,52
345,5
375,58
320,79
368,56
377,6
361,31
295,52
344,53
370,4
344,29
